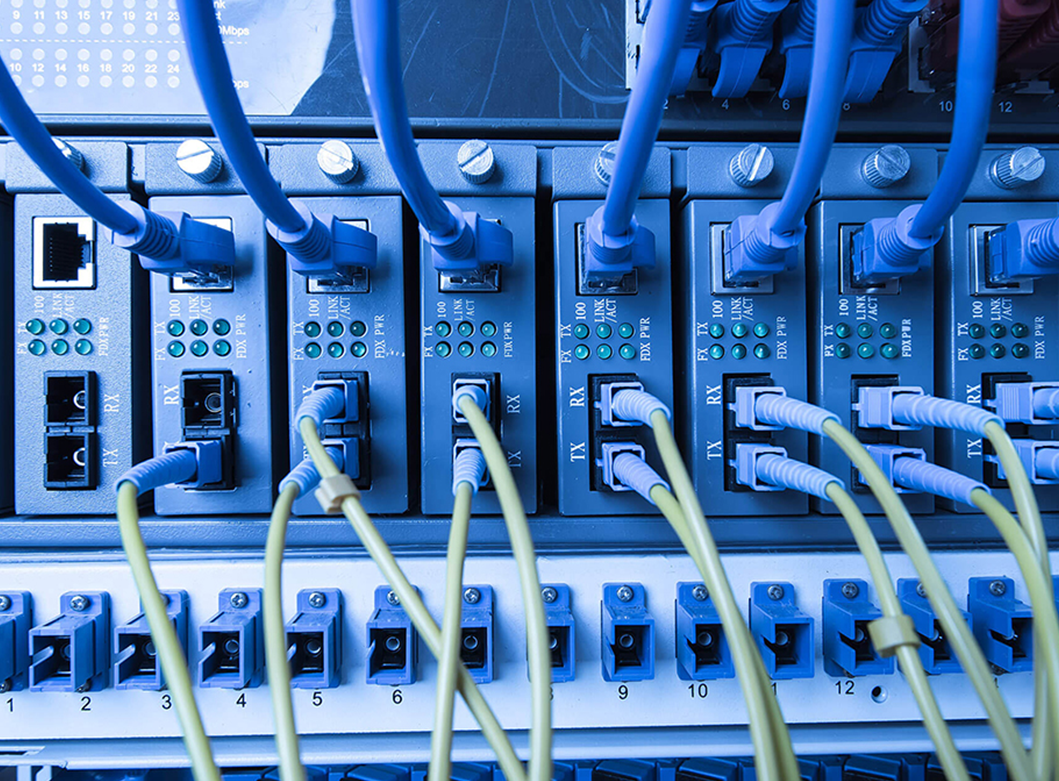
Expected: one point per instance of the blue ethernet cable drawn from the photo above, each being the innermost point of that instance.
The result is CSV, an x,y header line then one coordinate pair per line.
x,y
1024,249
888,248
459,241
320,246
764,244
169,243
617,244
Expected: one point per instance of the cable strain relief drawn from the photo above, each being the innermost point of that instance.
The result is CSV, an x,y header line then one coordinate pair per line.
x,y
796,475
156,237
922,410
758,249
884,19
923,476
305,475
1042,243
780,410
751,19
175,467
469,467
321,404
1046,463
1046,403
637,405
636,473
476,393
805,19
896,246
311,243
456,245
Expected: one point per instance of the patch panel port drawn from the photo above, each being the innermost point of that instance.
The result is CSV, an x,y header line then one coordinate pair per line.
x,y
207,401
393,652
628,633
70,398
70,461
64,253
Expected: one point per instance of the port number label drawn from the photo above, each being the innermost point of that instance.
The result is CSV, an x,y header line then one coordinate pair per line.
x,y
623,692
241,700
318,699
86,704
844,687
167,702
397,697
699,691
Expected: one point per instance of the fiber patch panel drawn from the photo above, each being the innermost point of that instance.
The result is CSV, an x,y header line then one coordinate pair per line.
x,y
664,700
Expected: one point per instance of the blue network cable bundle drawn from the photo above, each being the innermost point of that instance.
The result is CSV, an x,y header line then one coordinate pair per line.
x,y
589,391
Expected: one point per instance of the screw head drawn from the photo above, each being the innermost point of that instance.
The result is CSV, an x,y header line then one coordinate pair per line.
x,y
549,594
337,161
476,161
79,603
775,592
998,588
920,591
71,154
5,686
700,593
198,160
751,165
239,600
392,598
604,164
1018,167
5,602
885,166
316,599
472,596
625,593
850,590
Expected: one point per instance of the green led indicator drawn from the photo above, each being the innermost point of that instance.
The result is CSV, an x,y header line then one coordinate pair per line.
x,y
222,347
866,351
199,327
843,330
312,329
442,329
739,351
581,352
998,330
336,350
581,331
716,330
761,330
488,348
716,352
465,328
357,328
762,351
627,351
843,350
1020,350
976,330
313,350
175,328
359,349
865,331
998,351
739,330
625,330
199,348
59,326
887,330
60,347
603,331
176,349
488,328
335,329
889,351
37,347
82,347
1020,330
443,349
222,327
82,326
35,326
604,351
977,351
465,349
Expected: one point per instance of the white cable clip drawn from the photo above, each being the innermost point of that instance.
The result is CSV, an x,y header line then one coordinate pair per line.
x,y
890,633
335,490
